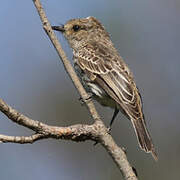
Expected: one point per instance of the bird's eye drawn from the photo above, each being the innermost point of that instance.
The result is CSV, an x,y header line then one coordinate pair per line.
x,y
76,28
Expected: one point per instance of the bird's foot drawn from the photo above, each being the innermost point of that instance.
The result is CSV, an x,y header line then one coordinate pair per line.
x,y
124,149
83,101
109,130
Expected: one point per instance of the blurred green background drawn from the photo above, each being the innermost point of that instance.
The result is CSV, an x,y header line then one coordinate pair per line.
x,y
33,80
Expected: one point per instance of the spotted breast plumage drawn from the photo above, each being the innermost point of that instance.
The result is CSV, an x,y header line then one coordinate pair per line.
x,y
104,73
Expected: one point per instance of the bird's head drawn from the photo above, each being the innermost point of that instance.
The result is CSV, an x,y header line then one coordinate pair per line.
x,y
78,31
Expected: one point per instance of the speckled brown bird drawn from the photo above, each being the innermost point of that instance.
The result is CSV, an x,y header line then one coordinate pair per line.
x,y
104,73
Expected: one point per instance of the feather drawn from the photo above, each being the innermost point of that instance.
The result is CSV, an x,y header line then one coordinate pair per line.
x,y
110,73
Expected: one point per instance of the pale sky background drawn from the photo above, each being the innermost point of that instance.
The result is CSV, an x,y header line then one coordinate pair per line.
x,y
33,80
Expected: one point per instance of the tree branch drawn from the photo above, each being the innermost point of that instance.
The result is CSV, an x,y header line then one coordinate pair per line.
x,y
78,132
21,139
96,132
106,140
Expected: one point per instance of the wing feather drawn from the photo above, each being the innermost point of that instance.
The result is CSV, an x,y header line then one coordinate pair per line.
x,y
112,75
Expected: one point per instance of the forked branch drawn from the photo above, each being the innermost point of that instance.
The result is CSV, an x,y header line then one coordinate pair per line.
x,y
96,132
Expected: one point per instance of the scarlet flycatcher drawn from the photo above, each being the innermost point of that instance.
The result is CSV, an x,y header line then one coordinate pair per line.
x,y
104,73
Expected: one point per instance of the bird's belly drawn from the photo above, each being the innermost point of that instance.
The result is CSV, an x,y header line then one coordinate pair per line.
x,y
101,96
98,93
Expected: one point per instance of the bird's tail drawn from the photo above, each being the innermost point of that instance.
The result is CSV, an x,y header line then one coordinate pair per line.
x,y
144,139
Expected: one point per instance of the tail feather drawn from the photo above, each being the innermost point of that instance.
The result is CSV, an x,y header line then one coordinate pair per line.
x,y
143,136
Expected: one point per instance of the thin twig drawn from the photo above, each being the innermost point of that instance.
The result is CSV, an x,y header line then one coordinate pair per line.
x,y
21,139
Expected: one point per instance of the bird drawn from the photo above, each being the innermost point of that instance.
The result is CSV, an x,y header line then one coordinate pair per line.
x,y
104,74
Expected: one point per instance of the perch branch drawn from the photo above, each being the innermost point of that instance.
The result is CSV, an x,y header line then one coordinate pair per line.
x,y
96,132
106,140
79,132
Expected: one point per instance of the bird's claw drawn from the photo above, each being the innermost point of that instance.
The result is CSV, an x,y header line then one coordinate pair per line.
x,y
83,101
109,130
124,149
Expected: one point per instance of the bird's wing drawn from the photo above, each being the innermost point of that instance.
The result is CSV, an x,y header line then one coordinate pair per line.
x,y
106,68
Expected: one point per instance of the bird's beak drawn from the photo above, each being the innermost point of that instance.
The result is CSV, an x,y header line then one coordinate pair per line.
x,y
58,28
